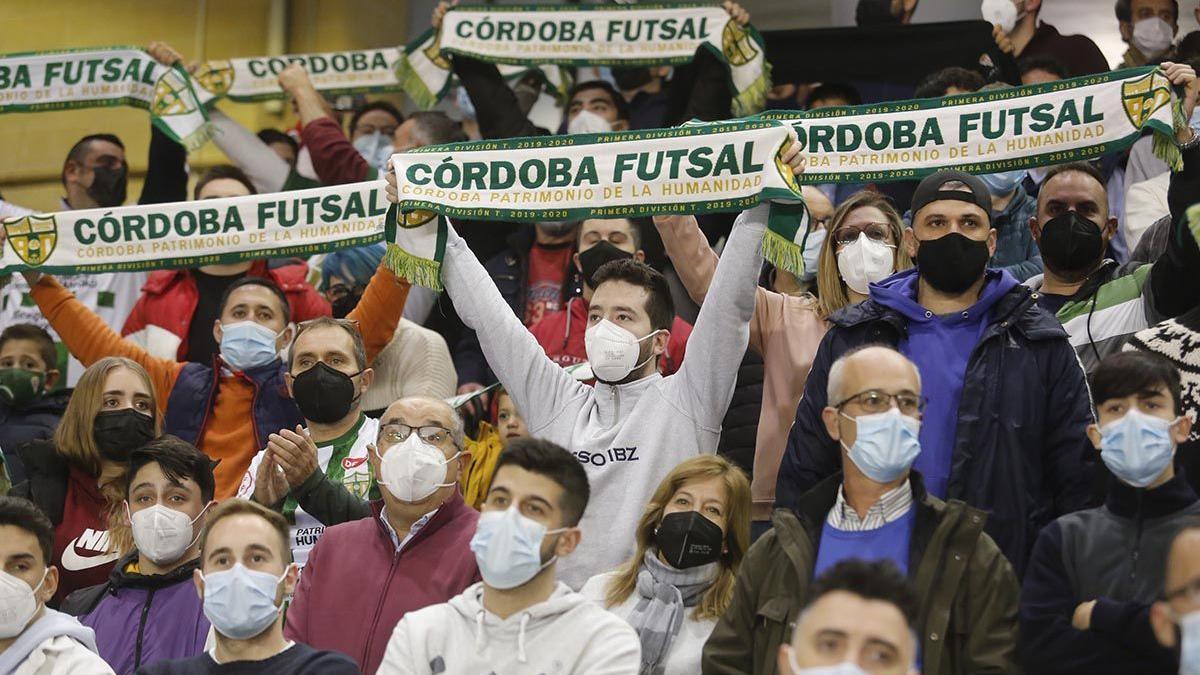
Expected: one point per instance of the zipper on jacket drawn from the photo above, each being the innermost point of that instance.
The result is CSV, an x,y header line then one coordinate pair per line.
x,y
379,606
1137,537
137,651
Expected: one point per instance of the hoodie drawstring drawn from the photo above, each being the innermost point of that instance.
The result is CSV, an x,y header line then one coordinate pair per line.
x,y
479,631
521,638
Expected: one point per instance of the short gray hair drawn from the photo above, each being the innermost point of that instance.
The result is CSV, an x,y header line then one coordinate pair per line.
x,y
833,389
434,127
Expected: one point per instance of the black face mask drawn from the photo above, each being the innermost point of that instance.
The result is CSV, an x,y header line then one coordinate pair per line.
x,y
628,79
952,262
324,395
345,304
595,257
108,186
687,539
1071,245
120,432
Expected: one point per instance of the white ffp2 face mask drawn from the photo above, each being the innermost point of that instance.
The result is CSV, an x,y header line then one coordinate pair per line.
x,y
162,534
18,603
613,351
588,122
1003,13
413,469
864,262
1152,36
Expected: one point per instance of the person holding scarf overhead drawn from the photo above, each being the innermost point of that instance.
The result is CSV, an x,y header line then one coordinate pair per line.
x,y
690,541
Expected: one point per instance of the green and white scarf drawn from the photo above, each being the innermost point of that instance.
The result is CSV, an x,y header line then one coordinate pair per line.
x,y
989,131
98,77
205,232
722,166
597,35
346,72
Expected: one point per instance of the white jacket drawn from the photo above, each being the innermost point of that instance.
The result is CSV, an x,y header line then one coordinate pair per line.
x,y
55,644
565,635
686,648
628,437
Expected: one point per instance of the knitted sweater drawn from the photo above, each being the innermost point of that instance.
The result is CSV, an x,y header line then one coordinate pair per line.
x,y
415,363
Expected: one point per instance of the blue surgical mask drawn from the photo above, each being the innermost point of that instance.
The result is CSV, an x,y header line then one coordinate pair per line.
x,y
886,444
812,253
508,548
375,148
1004,182
246,345
239,602
1137,448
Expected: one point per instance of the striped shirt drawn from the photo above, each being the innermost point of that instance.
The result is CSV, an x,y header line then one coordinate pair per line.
x,y
891,506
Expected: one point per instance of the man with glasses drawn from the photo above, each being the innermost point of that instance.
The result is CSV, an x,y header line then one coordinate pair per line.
x,y
876,508
1176,618
411,551
1003,428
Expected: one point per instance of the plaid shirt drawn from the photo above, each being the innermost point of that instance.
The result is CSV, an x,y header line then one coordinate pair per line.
x,y
892,505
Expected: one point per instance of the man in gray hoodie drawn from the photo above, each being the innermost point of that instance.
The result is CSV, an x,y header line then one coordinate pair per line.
x,y
33,637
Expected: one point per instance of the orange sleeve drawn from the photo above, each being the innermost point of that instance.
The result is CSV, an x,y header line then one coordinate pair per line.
x,y
379,310
89,339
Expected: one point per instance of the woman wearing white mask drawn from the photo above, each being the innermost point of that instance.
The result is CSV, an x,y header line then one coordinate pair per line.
x,y
168,491
690,541
859,247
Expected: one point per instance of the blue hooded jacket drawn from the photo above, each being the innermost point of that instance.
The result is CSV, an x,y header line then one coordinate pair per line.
x,y
1017,448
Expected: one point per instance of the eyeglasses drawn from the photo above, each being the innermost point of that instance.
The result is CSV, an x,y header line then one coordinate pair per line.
x,y
398,433
337,292
874,401
848,234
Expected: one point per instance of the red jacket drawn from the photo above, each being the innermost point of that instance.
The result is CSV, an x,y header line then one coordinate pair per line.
x,y
564,344
356,586
333,155
159,321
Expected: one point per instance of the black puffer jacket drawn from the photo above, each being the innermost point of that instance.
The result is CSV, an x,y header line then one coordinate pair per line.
x,y
739,429
35,422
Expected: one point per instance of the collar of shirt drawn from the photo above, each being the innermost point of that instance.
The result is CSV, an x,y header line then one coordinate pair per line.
x,y
892,505
412,531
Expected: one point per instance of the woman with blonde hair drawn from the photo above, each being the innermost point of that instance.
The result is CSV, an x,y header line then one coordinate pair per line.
x,y
77,479
690,541
860,245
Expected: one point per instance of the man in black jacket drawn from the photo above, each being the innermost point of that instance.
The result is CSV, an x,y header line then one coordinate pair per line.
x,y
1007,404
1093,575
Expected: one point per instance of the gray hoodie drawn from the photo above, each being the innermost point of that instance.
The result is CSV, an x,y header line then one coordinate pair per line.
x,y
564,634
55,643
629,436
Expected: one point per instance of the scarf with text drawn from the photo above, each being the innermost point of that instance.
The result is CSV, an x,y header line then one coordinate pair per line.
x,y
528,36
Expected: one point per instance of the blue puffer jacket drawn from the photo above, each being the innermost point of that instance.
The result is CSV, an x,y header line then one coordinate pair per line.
x,y
140,619
34,422
1020,451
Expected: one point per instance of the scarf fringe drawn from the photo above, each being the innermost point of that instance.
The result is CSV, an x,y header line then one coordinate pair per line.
x,y
1164,145
413,85
415,269
195,140
783,253
754,98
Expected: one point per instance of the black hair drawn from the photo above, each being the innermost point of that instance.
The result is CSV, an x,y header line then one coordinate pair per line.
x,y
846,92
434,127
1129,373
219,172
22,513
270,136
554,462
1124,10
1046,63
258,281
77,151
938,83
876,580
28,331
178,460
376,105
1080,167
618,100
659,306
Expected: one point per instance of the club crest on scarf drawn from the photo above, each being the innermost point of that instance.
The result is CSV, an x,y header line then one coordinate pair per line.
x,y
216,77
737,45
32,238
171,95
1144,96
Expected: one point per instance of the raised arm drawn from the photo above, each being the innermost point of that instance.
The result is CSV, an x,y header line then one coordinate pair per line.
x,y
266,169
333,155
379,310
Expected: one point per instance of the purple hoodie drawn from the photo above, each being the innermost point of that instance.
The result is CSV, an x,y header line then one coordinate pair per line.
x,y
941,346
140,619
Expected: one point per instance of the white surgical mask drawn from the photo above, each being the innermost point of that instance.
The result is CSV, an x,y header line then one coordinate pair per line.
x,y
162,534
18,603
886,444
1003,13
1152,36
508,547
588,122
375,148
613,351
1189,650
812,253
843,668
240,602
414,469
247,344
864,262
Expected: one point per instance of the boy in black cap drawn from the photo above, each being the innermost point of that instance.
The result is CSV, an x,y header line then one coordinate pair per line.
x,y
1006,403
